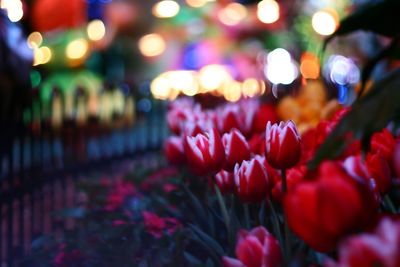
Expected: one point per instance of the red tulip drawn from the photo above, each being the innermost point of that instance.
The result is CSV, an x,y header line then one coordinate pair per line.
x,y
264,114
225,182
257,248
230,118
176,117
380,248
257,144
236,149
283,148
174,150
383,143
328,206
380,171
251,180
205,152
375,167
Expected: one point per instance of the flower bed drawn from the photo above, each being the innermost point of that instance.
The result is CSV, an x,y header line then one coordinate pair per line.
x,y
240,193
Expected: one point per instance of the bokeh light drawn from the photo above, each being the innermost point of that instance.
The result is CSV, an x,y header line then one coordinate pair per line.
x,y
325,21
184,81
342,70
152,45
77,49
309,66
14,9
166,9
232,91
46,54
96,30
35,39
160,87
196,3
252,87
268,11
232,14
211,77
280,68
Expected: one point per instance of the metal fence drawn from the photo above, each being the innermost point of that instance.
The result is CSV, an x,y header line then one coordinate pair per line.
x,y
39,160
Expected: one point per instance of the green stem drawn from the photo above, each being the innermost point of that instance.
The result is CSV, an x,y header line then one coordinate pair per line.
x,y
224,210
247,215
389,204
275,225
287,230
287,242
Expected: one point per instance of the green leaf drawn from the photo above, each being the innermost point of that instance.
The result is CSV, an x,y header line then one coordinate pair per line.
x,y
199,209
370,66
370,114
381,17
192,260
208,240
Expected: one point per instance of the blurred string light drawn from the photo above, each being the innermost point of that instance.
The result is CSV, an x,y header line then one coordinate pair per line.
x,y
166,9
232,91
198,3
325,21
280,67
152,45
96,30
14,9
252,87
309,66
268,11
232,14
77,49
214,79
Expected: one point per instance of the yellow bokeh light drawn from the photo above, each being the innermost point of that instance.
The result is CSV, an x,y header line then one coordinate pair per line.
x,y
232,14
35,39
325,21
96,30
77,49
152,45
212,77
46,53
37,57
268,11
166,9
232,92
184,81
160,87
251,87
196,3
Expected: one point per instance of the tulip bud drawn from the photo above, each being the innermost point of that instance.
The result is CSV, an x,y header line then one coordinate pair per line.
x,y
174,150
225,182
236,149
251,180
205,152
283,149
257,248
